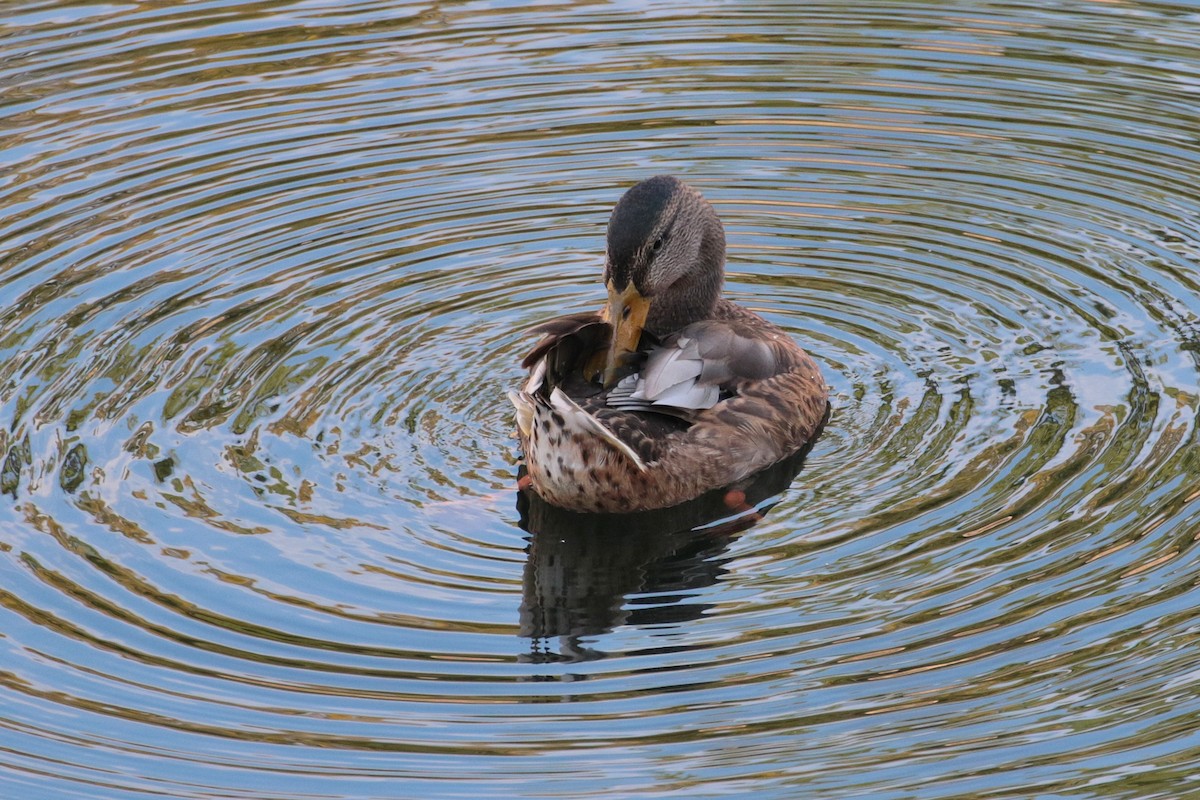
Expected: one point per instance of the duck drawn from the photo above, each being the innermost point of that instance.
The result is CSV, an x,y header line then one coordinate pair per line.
x,y
669,390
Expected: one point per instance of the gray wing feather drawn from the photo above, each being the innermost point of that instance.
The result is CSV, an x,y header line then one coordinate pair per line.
x,y
689,370
671,365
689,394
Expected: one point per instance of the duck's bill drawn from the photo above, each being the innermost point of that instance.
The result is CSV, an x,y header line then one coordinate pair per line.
x,y
626,312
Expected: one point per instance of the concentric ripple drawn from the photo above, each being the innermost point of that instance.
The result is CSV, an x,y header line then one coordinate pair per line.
x,y
264,272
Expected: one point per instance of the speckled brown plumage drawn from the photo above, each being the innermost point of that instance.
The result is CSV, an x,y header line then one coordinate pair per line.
x,y
713,394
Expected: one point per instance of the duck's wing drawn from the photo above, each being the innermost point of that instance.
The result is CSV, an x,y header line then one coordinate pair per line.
x,y
701,365
735,389
572,333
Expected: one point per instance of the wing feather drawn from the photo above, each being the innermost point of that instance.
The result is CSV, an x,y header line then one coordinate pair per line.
x,y
691,370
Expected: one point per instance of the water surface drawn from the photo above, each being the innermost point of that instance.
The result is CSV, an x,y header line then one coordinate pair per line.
x,y
264,271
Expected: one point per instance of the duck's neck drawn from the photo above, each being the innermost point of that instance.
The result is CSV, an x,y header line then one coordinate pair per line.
x,y
694,296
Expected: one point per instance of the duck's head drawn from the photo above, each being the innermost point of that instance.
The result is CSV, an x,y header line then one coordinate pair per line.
x,y
665,263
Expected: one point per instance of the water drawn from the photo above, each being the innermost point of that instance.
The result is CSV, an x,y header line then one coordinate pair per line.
x,y
264,269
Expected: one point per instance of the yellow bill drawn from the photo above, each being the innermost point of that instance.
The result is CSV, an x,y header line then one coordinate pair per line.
x,y
626,312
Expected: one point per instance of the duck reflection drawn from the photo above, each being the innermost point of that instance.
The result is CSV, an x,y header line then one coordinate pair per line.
x,y
582,568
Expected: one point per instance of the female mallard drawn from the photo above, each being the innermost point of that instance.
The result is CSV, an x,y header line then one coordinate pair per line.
x,y
670,391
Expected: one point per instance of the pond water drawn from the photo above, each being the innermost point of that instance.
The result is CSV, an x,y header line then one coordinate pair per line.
x,y
264,272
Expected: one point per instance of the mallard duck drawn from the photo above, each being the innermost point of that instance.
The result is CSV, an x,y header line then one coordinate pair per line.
x,y
670,390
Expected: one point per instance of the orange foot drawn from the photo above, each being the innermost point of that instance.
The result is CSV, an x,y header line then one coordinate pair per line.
x,y
735,501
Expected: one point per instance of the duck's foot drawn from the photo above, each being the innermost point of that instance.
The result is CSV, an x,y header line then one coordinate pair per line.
x,y
735,501
524,482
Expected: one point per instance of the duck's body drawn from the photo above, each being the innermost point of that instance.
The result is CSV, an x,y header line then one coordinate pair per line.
x,y
671,391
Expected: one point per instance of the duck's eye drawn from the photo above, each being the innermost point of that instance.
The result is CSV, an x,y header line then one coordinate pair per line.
x,y
658,243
